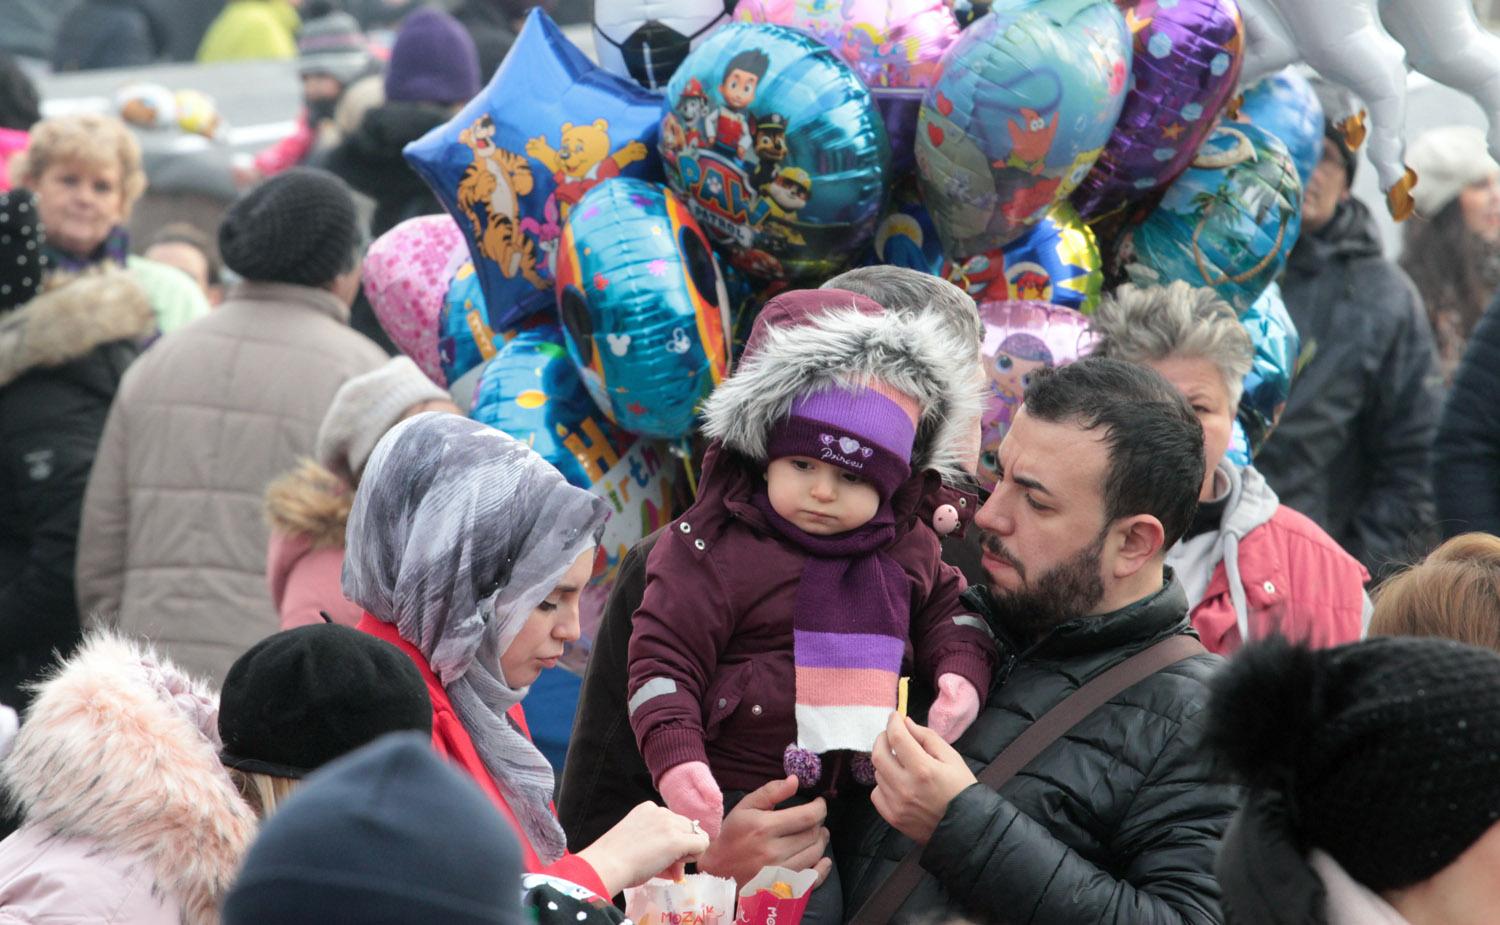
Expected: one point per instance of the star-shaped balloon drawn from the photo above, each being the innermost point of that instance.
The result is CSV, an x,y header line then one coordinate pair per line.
x,y
511,165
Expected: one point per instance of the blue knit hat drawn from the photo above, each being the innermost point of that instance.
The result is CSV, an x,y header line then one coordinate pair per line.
x,y
434,61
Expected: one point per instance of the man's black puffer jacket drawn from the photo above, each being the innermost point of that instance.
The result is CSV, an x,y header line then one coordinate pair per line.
x,y
1118,821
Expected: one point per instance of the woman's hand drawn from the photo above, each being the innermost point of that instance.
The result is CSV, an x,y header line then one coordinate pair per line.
x,y
648,841
756,834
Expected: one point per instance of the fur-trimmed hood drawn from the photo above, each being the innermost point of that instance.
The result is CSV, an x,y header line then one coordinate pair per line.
x,y
74,316
120,749
847,346
310,501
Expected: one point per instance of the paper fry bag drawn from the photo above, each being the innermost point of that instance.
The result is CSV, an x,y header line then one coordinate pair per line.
x,y
776,896
698,899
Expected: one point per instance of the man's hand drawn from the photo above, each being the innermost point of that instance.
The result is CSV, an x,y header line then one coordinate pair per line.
x,y
917,775
756,834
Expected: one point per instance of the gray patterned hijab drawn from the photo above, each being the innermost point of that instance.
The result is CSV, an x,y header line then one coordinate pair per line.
x,y
458,532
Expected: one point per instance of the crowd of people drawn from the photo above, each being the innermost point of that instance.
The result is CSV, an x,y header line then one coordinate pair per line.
x,y
270,603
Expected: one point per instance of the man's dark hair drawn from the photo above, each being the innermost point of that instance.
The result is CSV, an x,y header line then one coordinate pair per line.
x,y
20,105
751,61
1154,440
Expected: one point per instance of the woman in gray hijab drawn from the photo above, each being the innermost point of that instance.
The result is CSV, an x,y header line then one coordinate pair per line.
x,y
468,552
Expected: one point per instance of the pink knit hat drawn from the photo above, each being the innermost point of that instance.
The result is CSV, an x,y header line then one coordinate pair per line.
x,y
406,276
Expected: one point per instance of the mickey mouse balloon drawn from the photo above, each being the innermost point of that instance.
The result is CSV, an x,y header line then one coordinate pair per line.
x,y
776,146
550,126
644,307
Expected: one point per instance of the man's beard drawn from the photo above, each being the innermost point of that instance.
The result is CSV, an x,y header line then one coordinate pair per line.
x,y
1065,592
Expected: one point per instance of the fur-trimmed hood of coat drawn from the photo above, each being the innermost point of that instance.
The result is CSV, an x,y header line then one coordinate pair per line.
x,y
850,346
75,315
310,501
121,749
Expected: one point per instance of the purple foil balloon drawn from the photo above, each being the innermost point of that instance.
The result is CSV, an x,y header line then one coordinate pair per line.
x,y
1187,60
893,45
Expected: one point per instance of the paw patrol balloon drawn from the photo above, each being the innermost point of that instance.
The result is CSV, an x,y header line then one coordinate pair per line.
x,y
1019,339
776,146
550,126
1228,222
1027,98
893,45
1056,261
644,307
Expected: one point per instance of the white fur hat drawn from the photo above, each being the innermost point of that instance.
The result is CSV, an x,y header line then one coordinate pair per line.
x,y
364,408
1446,160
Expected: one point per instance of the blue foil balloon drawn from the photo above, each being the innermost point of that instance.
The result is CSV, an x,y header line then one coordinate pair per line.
x,y
1269,381
906,237
644,307
550,126
1285,105
1229,222
777,147
530,390
1238,451
465,339
1027,98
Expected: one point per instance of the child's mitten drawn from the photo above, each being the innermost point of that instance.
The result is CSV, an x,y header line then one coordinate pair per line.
x,y
691,791
955,708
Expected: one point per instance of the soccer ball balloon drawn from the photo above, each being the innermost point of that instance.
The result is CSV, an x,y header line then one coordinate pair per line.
x,y
645,41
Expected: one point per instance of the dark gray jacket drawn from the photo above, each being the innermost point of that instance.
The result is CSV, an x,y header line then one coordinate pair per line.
x,y
1467,457
1118,821
1354,446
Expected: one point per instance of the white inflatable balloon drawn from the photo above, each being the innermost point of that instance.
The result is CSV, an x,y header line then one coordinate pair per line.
x,y
645,40
1444,41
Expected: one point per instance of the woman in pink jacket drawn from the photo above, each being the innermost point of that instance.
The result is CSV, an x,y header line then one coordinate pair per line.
x,y
308,507
1252,567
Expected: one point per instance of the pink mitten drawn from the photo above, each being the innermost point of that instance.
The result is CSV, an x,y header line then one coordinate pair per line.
x,y
955,708
691,791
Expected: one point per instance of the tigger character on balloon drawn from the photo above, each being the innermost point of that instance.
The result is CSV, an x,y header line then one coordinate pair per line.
x,y
781,610
496,180
582,160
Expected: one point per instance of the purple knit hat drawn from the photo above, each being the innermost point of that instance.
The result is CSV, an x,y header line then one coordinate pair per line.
x,y
866,429
434,61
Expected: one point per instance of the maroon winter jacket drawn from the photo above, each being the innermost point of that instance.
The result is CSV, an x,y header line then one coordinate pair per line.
x,y
716,621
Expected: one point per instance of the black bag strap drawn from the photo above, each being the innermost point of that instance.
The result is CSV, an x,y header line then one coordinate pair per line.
x,y
882,906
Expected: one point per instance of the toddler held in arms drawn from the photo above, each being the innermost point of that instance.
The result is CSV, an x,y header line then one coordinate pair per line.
x,y
782,609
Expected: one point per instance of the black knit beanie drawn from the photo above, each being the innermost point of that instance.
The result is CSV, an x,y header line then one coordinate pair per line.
x,y
23,259
1387,752
389,835
303,697
1336,100
296,227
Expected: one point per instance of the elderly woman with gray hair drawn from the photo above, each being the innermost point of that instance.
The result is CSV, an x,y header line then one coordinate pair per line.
x,y
468,552
1251,566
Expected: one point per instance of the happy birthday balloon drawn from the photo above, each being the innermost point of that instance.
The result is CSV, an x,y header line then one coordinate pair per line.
x,y
1019,339
1027,99
1228,222
644,307
776,146
1285,105
550,126
406,276
893,45
1269,382
1057,261
1187,57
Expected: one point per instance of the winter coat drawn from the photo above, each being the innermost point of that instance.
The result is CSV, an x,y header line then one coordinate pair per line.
x,y
130,817
1353,447
1269,570
61,359
173,543
307,510
29,27
452,741
712,677
489,25
370,160
1118,821
12,142
249,30
1467,453
723,633
99,34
